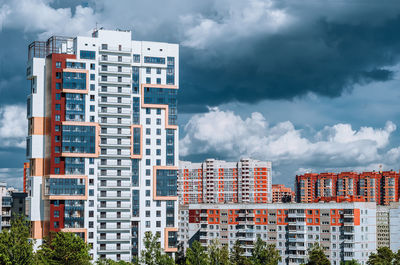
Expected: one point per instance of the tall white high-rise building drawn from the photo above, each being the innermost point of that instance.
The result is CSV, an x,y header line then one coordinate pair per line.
x,y
103,140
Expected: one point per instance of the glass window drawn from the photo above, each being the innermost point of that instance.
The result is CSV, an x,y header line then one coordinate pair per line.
x,y
58,64
92,66
148,70
58,85
148,80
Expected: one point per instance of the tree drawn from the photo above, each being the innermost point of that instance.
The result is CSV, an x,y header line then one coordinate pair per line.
x,y
111,262
153,254
264,254
196,255
218,255
64,248
180,258
383,256
237,255
316,256
350,262
15,246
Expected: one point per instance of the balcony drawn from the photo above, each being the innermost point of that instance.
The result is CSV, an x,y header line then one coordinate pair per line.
x,y
114,249
126,72
126,91
114,81
114,238
115,49
124,61
125,102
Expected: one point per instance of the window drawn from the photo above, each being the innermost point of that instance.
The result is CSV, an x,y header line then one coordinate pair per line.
x,y
92,108
148,172
148,80
158,213
158,70
58,85
58,107
158,131
58,96
92,97
92,76
136,58
148,111
147,182
148,131
58,75
92,66
56,224
147,193
158,152
148,121
57,160
158,111
147,213
148,70
158,162
58,64
158,121
148,141
147,162
158,224
91,55
158,80
148,152
147,224
56,214
147,203
158,141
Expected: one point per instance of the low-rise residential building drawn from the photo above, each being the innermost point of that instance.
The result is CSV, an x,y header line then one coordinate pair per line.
x,y
345,230
12,202
280,193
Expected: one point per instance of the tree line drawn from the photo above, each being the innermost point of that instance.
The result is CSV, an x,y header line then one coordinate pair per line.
x,y
69,249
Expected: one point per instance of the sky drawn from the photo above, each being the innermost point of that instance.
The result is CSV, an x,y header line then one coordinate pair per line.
x,y
311,85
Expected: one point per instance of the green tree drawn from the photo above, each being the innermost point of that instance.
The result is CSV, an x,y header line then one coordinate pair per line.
x,y
153,254
316,256
196,255
264,254
64,249
237,255
180,258
15,246
111,262
218,255
383,256
350,262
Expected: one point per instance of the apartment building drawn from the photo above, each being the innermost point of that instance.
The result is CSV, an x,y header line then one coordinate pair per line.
x,y
280,193
12,203
346,231
379,187
102,140
218,181
5,204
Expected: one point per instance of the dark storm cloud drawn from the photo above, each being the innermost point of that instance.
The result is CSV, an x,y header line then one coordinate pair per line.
x,y
322,57
13,57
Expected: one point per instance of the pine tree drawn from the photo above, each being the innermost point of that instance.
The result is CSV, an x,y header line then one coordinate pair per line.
x,y
15,246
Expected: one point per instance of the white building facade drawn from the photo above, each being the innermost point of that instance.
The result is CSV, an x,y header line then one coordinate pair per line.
x,y
103,141
345,231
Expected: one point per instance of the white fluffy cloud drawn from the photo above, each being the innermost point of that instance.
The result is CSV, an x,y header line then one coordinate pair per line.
x,y
39,16
233,20
13,126
227,135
